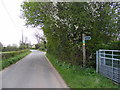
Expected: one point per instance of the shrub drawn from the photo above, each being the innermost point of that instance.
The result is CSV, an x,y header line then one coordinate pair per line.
x,y
11,60
10,48
114,45
6,55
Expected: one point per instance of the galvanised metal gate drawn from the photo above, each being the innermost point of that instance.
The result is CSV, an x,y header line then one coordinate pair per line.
x,y
108,64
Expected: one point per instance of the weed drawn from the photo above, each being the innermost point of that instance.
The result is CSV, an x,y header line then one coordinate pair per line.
x,y
78,77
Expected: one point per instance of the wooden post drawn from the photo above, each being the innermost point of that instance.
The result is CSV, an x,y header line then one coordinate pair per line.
x,y
97,61
84,50
22,36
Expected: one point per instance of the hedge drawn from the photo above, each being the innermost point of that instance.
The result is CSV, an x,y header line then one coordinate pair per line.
x,y
11,60
6,55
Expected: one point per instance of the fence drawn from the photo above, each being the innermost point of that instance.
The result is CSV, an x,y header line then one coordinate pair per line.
x,y
108,64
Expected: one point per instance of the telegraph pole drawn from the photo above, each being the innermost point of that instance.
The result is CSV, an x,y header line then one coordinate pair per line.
x,y
22,36
84,50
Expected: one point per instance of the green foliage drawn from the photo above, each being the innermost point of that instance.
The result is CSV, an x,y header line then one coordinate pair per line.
x,y
10,48
37,46
78,77
6,55
64,22
40,46
13,59
114,45
14,47
24,46
42,49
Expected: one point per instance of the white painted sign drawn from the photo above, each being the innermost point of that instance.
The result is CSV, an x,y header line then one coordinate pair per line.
x,y
87,37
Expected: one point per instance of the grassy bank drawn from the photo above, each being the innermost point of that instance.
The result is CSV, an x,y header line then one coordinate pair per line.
x,y
78,77
7,62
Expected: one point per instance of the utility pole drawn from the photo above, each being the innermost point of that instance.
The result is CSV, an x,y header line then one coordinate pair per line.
x,y
84,50
22,36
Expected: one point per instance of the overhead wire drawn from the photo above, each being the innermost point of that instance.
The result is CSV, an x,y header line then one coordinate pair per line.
x,y
8,13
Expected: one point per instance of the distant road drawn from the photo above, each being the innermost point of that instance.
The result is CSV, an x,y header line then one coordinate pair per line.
x,y
33,71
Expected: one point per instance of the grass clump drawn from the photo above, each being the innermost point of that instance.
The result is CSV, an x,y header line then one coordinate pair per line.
x,y
78,77
7,62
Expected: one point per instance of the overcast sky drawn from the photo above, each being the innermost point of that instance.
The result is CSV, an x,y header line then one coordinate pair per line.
x,y
11,24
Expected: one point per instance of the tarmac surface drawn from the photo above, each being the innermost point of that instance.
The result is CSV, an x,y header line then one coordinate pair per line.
x,y
33,71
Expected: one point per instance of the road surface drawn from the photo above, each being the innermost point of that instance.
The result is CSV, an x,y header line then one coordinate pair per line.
x,y
33,71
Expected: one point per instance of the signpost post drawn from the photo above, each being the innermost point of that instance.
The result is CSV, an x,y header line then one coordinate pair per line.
x,y
84,50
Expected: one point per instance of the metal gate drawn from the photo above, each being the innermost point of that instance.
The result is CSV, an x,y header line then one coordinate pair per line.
x,y
108,64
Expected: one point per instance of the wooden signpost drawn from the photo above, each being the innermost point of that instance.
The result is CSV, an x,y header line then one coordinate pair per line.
x,y
84,50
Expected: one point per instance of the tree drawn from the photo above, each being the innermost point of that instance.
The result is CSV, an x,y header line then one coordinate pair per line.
x,y
64,22
25,44
13,47
41,40
1,46
39,37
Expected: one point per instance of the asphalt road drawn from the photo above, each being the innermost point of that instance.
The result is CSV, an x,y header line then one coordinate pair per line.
x,y
33,71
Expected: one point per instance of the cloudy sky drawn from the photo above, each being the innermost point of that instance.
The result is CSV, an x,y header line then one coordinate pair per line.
x,y
11,25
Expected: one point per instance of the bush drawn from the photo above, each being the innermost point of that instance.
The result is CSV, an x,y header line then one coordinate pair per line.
x,y
10,48
6,55
11,60
114,45
42,49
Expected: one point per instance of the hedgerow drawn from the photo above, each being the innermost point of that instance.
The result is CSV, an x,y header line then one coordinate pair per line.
x,y
6,55
13,59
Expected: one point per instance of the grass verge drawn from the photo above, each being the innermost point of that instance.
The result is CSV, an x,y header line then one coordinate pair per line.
x,y
7,62
78,77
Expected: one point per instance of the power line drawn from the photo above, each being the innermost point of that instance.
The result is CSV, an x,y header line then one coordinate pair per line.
x,y
8,13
